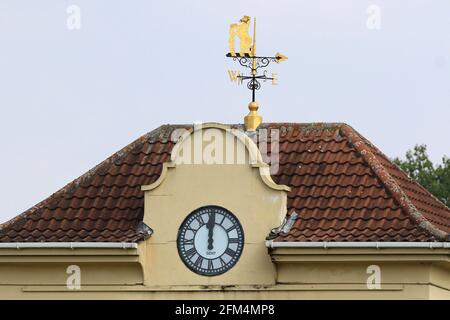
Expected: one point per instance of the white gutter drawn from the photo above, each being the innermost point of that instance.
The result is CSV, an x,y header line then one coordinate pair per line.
x,y
68,245
325,245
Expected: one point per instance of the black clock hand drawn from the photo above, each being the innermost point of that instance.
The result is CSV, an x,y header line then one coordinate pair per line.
x,y
210,226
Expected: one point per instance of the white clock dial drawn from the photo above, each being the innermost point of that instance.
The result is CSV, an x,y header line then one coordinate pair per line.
x,y
210,240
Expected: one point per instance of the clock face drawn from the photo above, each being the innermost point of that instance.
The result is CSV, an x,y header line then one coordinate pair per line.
x,y
210,240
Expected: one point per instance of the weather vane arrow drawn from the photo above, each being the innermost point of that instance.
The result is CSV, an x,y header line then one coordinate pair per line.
x,y
247,58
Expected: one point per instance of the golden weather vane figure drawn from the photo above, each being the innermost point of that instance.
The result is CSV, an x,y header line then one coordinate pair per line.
x,y
247,58
240,30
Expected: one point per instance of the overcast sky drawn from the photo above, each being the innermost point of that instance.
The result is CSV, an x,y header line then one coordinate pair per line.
x,y
70,98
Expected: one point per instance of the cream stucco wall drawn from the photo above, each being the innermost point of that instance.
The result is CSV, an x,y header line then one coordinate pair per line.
x,y
300,274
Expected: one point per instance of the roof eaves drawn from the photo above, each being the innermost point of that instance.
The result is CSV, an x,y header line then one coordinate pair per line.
x,y
355,244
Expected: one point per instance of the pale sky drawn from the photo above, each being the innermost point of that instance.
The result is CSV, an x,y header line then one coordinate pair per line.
x,y
71,98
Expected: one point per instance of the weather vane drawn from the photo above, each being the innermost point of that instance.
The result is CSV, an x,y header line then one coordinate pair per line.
x,y
247,58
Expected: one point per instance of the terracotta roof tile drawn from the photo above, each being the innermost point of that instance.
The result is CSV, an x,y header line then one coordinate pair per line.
x,y
342,188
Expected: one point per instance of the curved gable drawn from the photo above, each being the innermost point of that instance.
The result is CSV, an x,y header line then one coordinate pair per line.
x,y
212,143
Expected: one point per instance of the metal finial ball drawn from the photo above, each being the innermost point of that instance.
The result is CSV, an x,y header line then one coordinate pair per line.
x,y
253,106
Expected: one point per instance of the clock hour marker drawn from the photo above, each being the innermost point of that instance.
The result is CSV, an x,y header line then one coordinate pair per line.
x,y
199,261
191,252
230,252
191,229
231,228
200,220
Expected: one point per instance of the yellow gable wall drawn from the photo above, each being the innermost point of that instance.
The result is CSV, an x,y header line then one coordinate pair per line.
x,y
242,185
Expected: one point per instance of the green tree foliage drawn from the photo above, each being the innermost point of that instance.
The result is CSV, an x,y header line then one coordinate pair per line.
x,y
435,179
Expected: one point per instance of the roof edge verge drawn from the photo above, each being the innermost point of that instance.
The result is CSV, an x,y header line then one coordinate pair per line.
x,y
390,183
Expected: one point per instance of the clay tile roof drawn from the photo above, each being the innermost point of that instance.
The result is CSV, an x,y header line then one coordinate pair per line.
x,y
342,189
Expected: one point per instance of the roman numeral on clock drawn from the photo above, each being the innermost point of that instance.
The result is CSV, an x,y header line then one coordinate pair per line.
x,y
191,229
198,262
200,220
231,228
230,252
190,252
